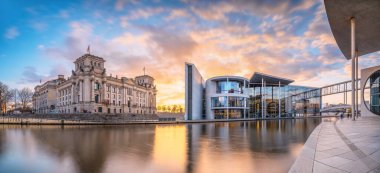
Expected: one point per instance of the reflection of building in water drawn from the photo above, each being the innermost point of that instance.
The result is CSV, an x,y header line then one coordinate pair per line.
x,y
232,97
275,135
208,147
227,146
169,151
91,147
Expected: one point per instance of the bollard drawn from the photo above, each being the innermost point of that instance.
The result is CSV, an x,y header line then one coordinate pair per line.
x,y
62,122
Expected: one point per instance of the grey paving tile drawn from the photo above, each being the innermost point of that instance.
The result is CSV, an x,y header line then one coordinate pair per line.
x,y
371,164
321,155
307,153
376,156
324,147
336,151
352,155
320,168
376,170
302,165
355,166
334,170
335,161
368,150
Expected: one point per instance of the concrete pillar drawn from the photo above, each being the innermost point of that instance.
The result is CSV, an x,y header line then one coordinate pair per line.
x,y
228,104
262,97
357,83
320,100
245,100
353,50
245,105
279,99
265,102
344,94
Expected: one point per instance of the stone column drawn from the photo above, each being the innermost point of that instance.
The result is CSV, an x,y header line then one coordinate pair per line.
x,y
72,93
80,91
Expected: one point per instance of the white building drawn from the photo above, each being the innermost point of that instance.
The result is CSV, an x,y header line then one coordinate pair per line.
x,y
90,89
225,97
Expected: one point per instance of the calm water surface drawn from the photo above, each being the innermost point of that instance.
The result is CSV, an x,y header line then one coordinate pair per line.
x,y
262,146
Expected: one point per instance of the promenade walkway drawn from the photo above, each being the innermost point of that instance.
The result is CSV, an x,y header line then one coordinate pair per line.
x,y
341,145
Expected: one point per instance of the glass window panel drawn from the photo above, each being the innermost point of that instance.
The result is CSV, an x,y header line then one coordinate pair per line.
x,y
371,93
219,101
235,113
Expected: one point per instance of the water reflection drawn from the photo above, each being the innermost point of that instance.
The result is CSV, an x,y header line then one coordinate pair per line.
x,y
209,147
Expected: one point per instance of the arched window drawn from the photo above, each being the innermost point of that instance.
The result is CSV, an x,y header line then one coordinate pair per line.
x,y
97,85
371,93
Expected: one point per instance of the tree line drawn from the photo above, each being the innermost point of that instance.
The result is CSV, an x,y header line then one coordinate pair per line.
x,y
175,108
21,99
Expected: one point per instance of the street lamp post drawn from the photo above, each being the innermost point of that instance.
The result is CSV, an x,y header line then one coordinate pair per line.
x,y
353,69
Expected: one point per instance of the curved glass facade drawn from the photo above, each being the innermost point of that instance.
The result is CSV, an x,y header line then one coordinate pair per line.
x,y
229,87
372,93
228,113
220,114
265,101
235,113
235,101
219,101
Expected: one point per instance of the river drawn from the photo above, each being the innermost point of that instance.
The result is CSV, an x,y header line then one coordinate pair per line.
x,y
255,146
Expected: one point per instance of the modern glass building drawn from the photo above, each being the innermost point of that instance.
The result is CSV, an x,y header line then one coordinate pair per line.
x,y
226,97
234,97
370,81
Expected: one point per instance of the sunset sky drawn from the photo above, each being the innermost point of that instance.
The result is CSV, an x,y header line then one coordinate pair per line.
x,y
292,39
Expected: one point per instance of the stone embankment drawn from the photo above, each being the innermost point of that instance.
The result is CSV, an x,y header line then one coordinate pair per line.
x,y
113,119
77,119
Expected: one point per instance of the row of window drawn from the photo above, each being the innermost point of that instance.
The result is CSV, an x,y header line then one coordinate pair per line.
x,y
229,87
64,92
95,63
65,98
100,110
65,103
225,101
129,91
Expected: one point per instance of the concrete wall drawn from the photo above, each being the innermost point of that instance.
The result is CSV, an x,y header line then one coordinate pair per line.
x,y
194,86
210,92
365,74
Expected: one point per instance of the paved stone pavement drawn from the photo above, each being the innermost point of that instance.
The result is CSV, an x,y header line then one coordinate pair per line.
x,y
341,145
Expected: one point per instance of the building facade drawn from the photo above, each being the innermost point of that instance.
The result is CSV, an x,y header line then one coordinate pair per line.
x,y
370,95
90,90
234,97
225,97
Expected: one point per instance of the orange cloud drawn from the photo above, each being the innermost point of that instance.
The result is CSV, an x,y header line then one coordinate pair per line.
x,y
224,49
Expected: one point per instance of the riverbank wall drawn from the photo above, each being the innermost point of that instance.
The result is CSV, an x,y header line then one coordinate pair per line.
x,y
123,121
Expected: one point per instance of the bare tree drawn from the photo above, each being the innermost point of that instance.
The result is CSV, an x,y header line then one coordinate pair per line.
x,y
2,96
25,95
5,97
15,98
